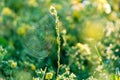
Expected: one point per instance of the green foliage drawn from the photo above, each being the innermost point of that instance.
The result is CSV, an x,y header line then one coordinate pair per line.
x,y
72,40
2,53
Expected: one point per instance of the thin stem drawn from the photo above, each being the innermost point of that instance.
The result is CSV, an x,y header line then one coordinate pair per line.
x,y
58,42
98,53
54,12
44,73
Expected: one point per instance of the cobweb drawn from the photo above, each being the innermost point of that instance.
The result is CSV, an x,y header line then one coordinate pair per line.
x,y
40,40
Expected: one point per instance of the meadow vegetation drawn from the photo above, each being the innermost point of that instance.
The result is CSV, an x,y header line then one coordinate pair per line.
x,y
59,39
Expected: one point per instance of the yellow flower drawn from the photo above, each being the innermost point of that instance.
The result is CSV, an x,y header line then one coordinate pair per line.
x,y
101,5
6,11
49,76
101,1
12,64
84,48
32,3
22,30
113,16
76,14
32,66
58,6
75,1
116,7
93,30
117,77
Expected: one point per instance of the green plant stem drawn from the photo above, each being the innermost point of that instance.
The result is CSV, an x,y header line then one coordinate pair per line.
x,y
58,42
44,73
54,12
98,53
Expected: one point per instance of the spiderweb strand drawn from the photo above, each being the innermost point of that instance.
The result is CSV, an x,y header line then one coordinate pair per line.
x,y
36,43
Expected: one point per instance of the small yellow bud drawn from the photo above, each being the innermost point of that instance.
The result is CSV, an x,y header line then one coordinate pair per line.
x,y
6,11
22,30
75,1
117,77
13,64
33,67
49,76
32,3
58,7
93,30
113,16
76,14
116,7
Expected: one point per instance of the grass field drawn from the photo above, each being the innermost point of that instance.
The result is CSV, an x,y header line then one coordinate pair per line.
x,y
59,39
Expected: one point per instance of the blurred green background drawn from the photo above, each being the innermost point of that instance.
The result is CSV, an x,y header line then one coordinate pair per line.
x,y
89,37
